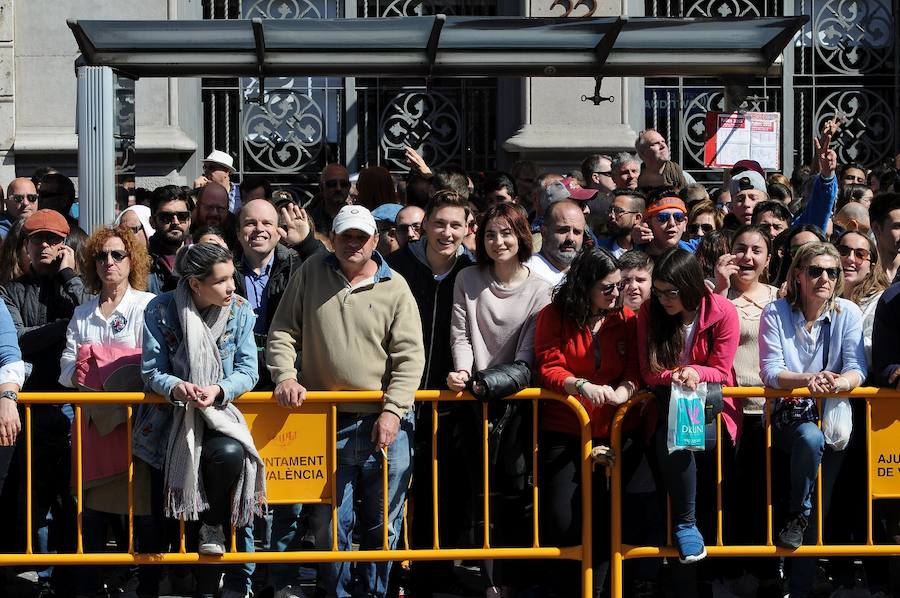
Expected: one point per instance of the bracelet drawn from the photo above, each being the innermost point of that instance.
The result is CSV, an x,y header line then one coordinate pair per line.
x,y
579,385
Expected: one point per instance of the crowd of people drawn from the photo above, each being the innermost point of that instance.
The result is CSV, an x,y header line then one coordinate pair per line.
x,y
616,277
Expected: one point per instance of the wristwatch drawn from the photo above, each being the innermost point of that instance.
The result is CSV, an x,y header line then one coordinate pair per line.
x,y
11,395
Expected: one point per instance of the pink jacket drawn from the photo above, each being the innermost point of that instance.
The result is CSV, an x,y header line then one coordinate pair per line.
x,y
717,324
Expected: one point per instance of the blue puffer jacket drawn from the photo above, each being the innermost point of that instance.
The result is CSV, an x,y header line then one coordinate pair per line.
x,y
162,336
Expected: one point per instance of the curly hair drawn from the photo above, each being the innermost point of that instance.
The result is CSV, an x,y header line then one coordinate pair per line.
x,y
140,260
573,296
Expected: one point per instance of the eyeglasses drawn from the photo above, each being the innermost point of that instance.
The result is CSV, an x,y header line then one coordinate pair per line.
x,y
663,217
405,228
603,172
169,217
617,211
607,289
667,294
21,198
694,229
135,229
335,183
46,237
817,271
103,256
860,253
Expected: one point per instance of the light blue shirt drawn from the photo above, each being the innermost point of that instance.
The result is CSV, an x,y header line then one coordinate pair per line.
x,y
786,345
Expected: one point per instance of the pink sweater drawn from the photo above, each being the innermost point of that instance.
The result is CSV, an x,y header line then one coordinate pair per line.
x,y
491,324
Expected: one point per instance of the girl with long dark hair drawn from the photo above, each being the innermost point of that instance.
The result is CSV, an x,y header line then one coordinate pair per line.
x,y
585,346
686,335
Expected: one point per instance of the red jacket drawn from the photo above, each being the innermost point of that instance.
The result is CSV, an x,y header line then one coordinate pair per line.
x,y
717,322
562,350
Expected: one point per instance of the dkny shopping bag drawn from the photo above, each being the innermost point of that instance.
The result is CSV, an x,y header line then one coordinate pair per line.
x,y
687,418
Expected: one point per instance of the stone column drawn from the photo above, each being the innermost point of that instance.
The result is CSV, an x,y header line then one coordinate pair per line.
x,y
7,91
559,129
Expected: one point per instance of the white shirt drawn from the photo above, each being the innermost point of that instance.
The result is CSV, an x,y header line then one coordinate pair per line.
x,y
124,326
538,264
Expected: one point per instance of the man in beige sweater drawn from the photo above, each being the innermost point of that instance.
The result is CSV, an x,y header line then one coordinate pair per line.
x,y
356,326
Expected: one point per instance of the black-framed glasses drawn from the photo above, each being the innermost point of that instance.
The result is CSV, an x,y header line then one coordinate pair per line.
x,y
667,294
694,229
20,198
135,229
616,211
405,228
169,217
603,172
335,183
117,256
663,217
860,253
817,271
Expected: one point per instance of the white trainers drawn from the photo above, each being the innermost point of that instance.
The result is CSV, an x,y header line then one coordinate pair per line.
x,y
290,592
212,540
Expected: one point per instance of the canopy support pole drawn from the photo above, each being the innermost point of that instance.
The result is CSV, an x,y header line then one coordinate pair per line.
x,y
96,146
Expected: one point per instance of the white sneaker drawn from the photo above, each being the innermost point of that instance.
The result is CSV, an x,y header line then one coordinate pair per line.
x,y
212,540
290,592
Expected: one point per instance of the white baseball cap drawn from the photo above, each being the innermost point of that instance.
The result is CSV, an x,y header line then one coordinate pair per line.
x,y
219,157
354,217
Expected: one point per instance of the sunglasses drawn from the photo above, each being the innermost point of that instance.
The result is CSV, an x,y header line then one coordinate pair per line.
x,y
117,256
335,183
135,229
405,228
48,238
694,229
169,217
603,172
860,253
817,271
20,198
607,289
663,217
668,294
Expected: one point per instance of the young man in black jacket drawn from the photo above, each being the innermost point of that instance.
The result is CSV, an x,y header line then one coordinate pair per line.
x,y
430,266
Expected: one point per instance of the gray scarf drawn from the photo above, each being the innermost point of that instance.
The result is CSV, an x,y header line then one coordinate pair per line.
x,y
197,360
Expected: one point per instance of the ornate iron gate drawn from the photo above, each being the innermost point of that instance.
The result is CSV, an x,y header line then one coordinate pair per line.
x,y
845,61
301,124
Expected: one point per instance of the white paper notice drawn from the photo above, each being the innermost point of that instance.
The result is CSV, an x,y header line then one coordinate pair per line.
x,y
732,137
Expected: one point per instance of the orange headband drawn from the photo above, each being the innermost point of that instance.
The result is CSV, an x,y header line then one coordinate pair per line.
x,y
665,203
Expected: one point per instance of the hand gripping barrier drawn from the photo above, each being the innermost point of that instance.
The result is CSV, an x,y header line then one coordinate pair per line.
x,y
882,424
327,402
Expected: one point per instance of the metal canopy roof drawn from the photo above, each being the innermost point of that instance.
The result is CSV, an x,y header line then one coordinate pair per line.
x,y
438,46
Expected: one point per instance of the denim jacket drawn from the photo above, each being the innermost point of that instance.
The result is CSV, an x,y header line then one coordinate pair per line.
x,y
162,336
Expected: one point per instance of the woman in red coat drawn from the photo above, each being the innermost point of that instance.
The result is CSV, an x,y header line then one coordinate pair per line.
x,y
687,335
585,346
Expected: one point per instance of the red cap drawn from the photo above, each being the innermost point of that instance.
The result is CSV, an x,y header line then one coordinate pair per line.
x,y
49,221
576,192
743,165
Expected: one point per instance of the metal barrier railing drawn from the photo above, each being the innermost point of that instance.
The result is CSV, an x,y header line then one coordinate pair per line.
x,y
582,552
873,396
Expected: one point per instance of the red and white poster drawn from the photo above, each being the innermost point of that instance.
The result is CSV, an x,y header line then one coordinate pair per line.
x,y
735,136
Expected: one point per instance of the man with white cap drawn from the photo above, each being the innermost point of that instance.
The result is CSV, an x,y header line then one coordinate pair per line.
x,y
360,326
218,168
747,188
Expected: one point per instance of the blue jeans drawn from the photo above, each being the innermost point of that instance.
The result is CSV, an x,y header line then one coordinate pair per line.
x,y
359,480
287,534
805,444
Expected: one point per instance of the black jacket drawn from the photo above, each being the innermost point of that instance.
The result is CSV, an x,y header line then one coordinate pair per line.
x,y
41,307
161,279
435,301
286,261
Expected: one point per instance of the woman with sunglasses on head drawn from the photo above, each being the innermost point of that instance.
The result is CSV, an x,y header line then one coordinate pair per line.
x,y
585,346
813,338
200,354
103,348
687,335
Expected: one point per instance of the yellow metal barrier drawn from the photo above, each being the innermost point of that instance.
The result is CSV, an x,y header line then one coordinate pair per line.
x,y
250,402
889,426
